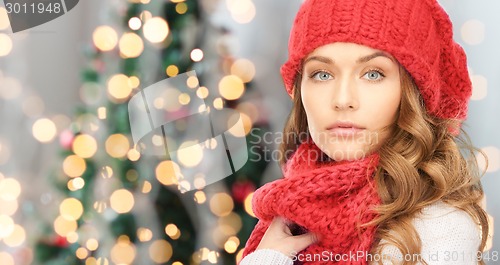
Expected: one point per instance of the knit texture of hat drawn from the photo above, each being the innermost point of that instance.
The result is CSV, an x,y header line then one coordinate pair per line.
x,y
418,33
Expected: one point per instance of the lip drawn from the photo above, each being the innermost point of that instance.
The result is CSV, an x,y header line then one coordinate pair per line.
x,y
344,128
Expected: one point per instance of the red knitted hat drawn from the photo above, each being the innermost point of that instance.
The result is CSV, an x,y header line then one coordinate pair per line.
x,y
418,33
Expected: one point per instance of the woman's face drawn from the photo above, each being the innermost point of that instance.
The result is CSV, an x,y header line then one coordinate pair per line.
x,y
350,93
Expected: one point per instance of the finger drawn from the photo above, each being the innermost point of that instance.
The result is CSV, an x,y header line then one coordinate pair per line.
x,y
303,241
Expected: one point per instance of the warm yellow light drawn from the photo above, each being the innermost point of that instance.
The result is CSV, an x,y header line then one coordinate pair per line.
x,y
5,44
105,38
119,87
131,45
76,184
197,55
192,82
181,8
177,263
123,252
184,99
232,244
6,259
239,256
92,244
72,237
218,103
133,154
6,226
172,70
134,23
160,251
156,29
117,145
17,237
146,187
84,145
81,253
122,201
144,234
248,204
244,69
171,230
9,189
199,181
221,204
101,113
44,130
190,153
236,130
242,11
4,19
200,197
8,207
63,226
231,87
74,166
212,257
167,171
71,209
202,92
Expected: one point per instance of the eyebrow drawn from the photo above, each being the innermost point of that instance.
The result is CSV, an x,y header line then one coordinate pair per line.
x,y
363,59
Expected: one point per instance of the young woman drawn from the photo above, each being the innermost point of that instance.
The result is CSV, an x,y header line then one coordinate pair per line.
x,y
378,172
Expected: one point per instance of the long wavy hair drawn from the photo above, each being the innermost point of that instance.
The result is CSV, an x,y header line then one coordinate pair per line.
x,y
420,163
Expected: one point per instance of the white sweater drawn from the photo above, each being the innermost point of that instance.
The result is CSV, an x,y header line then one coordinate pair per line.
x,y
449,236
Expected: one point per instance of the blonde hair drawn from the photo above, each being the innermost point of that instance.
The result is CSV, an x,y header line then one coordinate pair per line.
x,y
421,163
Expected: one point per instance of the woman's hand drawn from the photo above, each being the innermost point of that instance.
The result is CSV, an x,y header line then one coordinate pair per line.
x,y
278,237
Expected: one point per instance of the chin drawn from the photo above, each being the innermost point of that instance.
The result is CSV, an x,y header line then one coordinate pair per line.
x,y
345,152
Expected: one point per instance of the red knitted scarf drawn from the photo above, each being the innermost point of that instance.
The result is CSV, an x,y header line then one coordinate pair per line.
x,y
327,198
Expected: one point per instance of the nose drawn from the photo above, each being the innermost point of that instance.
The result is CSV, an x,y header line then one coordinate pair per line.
x,y
344,95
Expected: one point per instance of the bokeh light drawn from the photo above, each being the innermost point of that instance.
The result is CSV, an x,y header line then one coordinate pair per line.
x,y
122,201
156,29
172,70
221,204
71,209
119,87
105,38
131,45
10,189
84,145
6,226
247,204
6,259
74,166
134,23
197,55
44,130
160,251
244,69
63,226
190,153
16,238
167,172
4,19
5,44
123,252
117,145
231,87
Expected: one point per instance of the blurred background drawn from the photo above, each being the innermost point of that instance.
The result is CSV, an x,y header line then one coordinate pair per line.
x,y
74,190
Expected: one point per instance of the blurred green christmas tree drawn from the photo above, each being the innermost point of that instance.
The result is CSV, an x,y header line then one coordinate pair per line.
x,y
121,208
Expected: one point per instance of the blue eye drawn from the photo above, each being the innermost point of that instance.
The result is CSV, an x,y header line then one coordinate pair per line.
x,y
321,75
374,75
